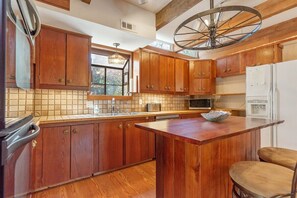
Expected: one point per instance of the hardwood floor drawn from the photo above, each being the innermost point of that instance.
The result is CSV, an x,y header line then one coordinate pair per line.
x,y
136,181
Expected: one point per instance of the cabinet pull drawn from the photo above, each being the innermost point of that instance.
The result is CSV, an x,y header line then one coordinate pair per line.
x,y
69,81
65,132
61,80
12,77
169,88
34,143
147,86
120,126
182,89
152,86
229,70
203,73
128,125
165,88
74,131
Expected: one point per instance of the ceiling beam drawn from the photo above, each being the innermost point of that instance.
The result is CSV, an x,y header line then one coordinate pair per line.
x,y
267,9
86,1
276,34
172,10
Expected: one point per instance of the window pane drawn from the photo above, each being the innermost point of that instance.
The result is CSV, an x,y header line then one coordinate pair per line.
x,y
126,78
114,77
103,61
97,89
114,90
98,75
126,90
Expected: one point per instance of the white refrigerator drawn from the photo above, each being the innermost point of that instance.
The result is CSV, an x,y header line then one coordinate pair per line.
x,y
271,93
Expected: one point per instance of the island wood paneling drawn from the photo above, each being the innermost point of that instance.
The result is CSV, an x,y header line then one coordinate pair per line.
x,y
189,170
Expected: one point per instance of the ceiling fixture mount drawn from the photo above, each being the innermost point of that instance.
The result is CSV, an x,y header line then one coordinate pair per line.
x,y
141,2
116,58
217,27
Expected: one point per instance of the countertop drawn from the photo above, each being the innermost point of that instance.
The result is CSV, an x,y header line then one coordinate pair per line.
x,y
91,117
199,131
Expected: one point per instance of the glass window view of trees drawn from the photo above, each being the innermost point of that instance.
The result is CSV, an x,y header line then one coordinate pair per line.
x,y
108,79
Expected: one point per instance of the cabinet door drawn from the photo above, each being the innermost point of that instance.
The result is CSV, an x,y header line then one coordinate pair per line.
x,y
11,53
205,86
248,58
78,65
163,74
36,163
265,55
154,74
221,67
181,75
65,4
82,150
145,72
202,69
110,145
56,155
136,143
52,57
170,75
233,65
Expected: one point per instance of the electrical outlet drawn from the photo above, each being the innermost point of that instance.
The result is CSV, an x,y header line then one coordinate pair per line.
x,y
140,101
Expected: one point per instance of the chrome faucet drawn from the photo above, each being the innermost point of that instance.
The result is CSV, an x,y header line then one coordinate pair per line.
x,y
113,106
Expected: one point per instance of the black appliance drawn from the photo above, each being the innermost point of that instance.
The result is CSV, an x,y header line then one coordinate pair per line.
x,y
200,103
16,134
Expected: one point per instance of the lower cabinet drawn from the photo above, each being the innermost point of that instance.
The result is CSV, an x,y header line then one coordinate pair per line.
x,y
67,152
61,154
191,115
111,153
139,144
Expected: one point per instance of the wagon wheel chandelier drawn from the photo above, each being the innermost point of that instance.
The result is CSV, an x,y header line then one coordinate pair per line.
x,y
217,27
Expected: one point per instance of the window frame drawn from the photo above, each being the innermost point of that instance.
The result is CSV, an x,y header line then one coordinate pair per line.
x,y
127,64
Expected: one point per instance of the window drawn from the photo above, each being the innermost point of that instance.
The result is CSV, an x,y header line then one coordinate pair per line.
x,y
162,45
191,53
112,80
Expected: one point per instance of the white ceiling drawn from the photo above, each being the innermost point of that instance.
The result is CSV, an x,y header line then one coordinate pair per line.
x,y
166,33
151,5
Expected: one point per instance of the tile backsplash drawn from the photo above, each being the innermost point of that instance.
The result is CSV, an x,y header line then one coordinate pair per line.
x,y
47,102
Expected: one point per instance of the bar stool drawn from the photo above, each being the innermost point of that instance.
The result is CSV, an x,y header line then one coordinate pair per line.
x,y
280,156
261,179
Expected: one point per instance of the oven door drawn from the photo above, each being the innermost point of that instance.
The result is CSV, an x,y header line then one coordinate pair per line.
x,y
16,157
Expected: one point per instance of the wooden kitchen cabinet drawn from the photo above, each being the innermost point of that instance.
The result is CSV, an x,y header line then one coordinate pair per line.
x,y
202,77
111,145
181,76
55,155
166,75
261,56
139,144
77,61
82,137
228,66
149,72
62,59
62,153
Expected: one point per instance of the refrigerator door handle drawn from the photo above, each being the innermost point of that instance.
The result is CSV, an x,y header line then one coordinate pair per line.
x,y
8,148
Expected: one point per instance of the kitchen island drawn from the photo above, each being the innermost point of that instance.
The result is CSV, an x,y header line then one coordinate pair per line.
x,y
193,156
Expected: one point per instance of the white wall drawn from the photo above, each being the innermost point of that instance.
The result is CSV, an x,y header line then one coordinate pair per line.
x,y
105,13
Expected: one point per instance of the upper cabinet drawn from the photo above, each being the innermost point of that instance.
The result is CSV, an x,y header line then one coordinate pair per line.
x,y
228,66
202,77
166,74
236,64
62,59
181,76
149,72
261,56
11,53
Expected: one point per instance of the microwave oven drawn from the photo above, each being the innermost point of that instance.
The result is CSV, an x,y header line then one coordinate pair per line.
x,y
200,103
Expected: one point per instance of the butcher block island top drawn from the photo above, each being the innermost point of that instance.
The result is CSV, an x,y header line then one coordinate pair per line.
x,y
193,156
200,131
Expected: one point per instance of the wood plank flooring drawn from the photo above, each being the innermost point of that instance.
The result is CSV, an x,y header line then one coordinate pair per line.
x,y
137,181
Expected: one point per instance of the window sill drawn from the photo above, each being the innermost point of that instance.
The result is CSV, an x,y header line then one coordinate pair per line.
x,y
105,97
